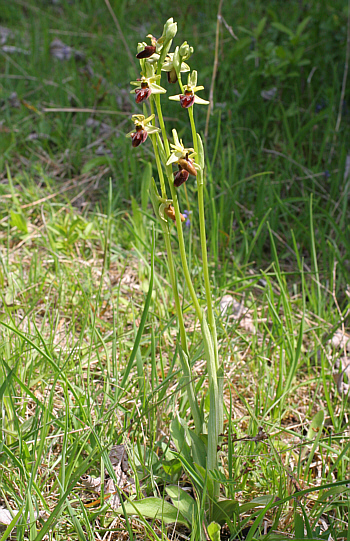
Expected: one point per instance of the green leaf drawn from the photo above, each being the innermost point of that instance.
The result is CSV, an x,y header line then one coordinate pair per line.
x,y
284,29
183,502
142,323
18,220
260,28
298,526
178,435
161,150
239,46
10,527
214,531
302,26
137,217
199,449
223,510
172,467
316,425
7,380
96,162
314,433
145,185
154,508
200,157
76,523
260,501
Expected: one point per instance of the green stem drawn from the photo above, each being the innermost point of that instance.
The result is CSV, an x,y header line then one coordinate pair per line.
x,y
203,239
181,241
197,418
184,357
156,153
215,421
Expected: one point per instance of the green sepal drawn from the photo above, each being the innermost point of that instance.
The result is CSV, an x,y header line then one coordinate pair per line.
x,y
192,79
156,89
149,69
177,61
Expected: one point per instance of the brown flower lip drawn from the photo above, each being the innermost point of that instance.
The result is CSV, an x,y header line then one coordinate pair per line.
x,y
187,100
180,177
187,164
143,93
139,136
147,52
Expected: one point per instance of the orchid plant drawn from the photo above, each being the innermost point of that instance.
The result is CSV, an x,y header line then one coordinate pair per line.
x,y
198,445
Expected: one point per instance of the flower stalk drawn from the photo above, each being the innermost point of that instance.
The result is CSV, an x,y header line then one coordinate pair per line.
x,y
155,59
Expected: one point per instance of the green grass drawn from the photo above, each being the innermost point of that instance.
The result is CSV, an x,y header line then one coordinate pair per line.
x,y
75,268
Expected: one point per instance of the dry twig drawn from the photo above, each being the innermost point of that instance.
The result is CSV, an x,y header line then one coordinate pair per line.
x,y
343,87
215,68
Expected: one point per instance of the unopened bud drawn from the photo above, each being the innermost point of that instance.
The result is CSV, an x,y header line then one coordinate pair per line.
x,y
185,51
171,31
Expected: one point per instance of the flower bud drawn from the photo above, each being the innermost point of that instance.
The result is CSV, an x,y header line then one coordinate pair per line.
x,y
185,51
170,29
180,177
188,165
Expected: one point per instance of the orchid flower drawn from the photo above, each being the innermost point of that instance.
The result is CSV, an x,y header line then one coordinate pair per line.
x,y
145,87
189,97
142,129
182,156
